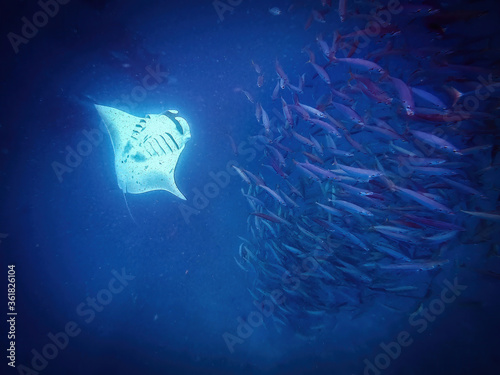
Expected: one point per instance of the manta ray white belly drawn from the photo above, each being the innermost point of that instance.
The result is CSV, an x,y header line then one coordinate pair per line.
x,y
146,149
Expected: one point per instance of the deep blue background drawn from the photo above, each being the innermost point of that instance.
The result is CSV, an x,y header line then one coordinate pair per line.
x,y
66,237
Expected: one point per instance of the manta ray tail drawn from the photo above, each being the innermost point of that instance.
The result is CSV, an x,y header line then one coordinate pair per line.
x,y
129,212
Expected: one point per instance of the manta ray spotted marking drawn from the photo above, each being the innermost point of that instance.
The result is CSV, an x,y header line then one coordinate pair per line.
x,y
146,149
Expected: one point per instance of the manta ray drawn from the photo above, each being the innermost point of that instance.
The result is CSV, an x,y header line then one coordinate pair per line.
x,y
146,149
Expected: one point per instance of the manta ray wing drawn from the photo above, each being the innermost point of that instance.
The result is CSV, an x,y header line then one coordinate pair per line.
x,y
146,149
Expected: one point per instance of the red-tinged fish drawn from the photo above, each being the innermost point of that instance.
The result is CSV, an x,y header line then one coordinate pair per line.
x,y
242,175
424,200
257,67
372,89
415,265
342,10
276,91
273,219
324,101
405,223
287,113
354,48
247,94
432,115
405,95
435,141
275,195
484,215
281,73
309,22
335,45
279,218
260,81
276,167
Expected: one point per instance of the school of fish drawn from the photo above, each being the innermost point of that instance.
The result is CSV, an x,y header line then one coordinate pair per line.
x,y
374,163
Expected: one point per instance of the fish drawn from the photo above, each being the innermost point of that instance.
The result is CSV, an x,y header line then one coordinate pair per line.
x,y
424,201
405,95
342,10
275,11
242,174
351,207
281,73
494,216
376,175
275,195
361,173
147,149
435,141
415,265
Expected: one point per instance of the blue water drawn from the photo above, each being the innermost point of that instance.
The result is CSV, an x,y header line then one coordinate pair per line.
x,y
70,235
